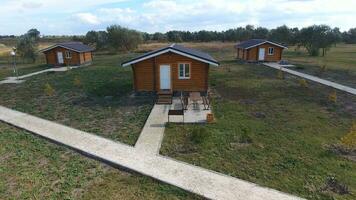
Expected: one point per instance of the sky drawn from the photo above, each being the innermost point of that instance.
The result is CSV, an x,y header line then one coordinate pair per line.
x,y
58,17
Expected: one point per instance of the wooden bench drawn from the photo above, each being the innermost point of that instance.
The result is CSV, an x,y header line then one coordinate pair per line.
x,y
176,112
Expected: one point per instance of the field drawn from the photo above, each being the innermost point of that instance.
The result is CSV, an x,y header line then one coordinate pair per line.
x,y
339,62
269,131
96,99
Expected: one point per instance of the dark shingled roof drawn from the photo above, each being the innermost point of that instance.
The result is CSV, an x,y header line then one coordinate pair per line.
x,y
253,42
75,46
179,48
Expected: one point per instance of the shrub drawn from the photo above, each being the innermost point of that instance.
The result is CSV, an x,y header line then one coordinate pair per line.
x,y
280,74
77,82
199,135
49,90
333,96
349,140
244,137
303,83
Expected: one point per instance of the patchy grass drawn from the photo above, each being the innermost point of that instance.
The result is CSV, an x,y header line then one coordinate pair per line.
x,y
103,104
271,132
340,63
33,168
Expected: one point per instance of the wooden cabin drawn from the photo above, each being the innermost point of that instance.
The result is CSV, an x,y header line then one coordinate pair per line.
x,y
172,68
68,54
259,50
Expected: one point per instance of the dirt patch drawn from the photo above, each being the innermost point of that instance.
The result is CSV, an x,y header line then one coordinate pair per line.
x,y
340,150
333,185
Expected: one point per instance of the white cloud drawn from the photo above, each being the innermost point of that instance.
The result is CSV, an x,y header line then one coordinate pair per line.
x,y
88,18
164,15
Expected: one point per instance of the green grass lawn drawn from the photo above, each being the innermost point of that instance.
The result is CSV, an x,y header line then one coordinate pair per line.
x,y
271,132
96,99
101,103
340,62
268,131
33,168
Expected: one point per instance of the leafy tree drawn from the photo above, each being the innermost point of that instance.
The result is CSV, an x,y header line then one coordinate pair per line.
x,y
261,33
121,38
27,45
349,37
91,38
281,34
316,37
34,34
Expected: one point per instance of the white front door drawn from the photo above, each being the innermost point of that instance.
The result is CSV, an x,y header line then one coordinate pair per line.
x,y
261,54
165,77
60,57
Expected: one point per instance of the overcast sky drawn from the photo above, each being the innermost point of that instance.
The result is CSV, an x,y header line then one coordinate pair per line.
x,y
54,17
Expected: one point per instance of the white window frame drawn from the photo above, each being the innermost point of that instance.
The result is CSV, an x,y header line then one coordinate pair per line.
x,y
190,71
269,51
68,54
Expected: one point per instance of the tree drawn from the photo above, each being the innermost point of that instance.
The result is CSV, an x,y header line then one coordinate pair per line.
x,y
91,38
281,34
34,34
27,47
261,33
121,38
349,37
317,37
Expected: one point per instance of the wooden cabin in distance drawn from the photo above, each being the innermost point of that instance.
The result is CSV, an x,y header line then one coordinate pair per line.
x,y
69,54
259,50
171,68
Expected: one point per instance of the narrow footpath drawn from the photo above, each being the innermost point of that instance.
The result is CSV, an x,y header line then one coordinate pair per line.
x,y
313,78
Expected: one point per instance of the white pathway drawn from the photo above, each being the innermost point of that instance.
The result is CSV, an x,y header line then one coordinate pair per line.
x,y
201,181
17,80
313,78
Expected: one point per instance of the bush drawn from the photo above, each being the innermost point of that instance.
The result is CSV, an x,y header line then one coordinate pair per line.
x,y
244,137
199,135
333,96
349,140
280,74
303,83
77,82
48,90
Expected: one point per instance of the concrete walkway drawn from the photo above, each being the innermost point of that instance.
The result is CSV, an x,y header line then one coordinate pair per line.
x,y
313,78
201,181
150,139
17,80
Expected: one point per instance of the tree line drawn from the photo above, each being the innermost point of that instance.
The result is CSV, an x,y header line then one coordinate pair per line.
x,y
316,39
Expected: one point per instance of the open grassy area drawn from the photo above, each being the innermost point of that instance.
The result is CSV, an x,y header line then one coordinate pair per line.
x,y
340,62
270,131
33,168
96,99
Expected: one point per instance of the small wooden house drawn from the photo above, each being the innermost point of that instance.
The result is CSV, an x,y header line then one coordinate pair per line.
x,y
68,53
259,50
172,68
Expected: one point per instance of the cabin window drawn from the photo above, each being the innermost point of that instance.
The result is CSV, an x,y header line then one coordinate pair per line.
x,y
270,51
184,71
68,54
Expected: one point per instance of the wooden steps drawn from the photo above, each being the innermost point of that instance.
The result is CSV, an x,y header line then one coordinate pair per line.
x,y
164,97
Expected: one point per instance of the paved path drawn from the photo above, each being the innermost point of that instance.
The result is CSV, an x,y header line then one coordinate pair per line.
x,y
313,78
151,136
17,80
201,181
